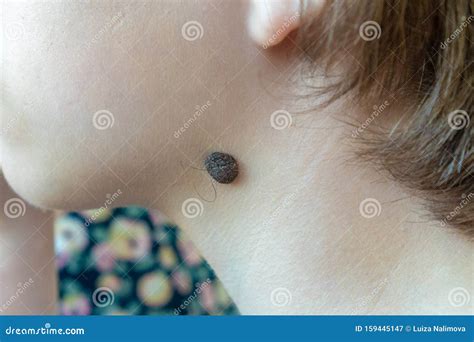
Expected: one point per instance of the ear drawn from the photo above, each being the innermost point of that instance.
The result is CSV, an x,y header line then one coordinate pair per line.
x,y
270,21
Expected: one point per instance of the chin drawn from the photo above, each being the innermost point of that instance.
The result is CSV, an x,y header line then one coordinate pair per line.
x,y
31,187
39,186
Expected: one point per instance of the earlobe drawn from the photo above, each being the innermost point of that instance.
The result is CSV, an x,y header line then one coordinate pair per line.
x,y
270,21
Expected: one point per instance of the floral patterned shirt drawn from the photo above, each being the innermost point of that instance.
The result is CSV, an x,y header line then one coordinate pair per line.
x,y
131,261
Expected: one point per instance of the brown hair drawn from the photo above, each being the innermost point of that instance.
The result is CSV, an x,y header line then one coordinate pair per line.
x,y
422,50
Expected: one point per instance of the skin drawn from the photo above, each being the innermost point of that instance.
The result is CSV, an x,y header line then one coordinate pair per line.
x,y
28,279
287,236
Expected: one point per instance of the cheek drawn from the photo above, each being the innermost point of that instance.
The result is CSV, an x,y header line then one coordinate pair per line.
x,y
95,105
67,156
45,172
53,153
74,141
73,178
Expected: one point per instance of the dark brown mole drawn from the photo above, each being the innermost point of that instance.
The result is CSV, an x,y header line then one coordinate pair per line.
x,y
222,167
